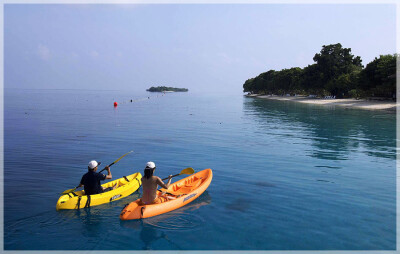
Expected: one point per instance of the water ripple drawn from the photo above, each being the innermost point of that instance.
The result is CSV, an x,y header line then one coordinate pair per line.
x,y
176,221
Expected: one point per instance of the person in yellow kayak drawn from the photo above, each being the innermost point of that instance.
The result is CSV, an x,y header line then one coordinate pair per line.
x,y
150,183
91,180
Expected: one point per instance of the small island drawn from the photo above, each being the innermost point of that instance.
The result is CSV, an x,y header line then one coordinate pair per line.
x,y
166,89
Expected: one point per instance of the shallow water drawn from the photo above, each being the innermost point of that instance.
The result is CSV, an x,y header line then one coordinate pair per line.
x,y
287,176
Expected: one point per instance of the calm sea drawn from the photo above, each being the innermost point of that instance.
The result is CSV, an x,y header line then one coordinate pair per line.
x,y
287,176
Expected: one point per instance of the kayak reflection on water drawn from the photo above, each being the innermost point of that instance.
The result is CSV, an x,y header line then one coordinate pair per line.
x,y
150,234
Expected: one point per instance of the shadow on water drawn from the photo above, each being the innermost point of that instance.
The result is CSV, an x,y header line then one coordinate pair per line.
x,y
89,219
264,184
149,235
334,132
240,204
183,219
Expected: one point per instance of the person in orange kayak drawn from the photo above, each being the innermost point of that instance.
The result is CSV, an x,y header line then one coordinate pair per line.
x,y
150,183
91,180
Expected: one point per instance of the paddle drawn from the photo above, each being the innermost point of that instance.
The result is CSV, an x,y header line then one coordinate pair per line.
x,y
72,190
116,161
187,171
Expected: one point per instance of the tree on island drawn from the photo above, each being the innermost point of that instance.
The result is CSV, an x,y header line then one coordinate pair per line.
x,y
379,76
337,65
335,72
166,89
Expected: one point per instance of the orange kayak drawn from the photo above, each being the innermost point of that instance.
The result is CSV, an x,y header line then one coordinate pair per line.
x,y
178,194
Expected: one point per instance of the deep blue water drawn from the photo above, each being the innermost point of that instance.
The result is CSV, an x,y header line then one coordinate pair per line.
x,y
287,176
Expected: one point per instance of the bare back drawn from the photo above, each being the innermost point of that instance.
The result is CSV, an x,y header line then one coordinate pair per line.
x,y
150,188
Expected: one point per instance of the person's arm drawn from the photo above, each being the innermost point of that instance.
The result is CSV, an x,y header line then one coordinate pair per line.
x,y
108,176
81,182
162,184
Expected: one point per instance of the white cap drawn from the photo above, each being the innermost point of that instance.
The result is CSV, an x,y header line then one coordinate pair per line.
x,y
93,164
150,164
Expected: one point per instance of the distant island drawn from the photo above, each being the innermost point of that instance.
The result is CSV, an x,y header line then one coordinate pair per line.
x,y
166,89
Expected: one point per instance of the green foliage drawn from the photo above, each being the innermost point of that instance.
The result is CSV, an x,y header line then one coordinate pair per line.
x,y
379,76
356,93
287,79
341,85
248,85
335,72
311,79
166,89
333,61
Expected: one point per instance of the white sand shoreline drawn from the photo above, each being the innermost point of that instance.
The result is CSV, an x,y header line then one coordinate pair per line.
x,y
347,103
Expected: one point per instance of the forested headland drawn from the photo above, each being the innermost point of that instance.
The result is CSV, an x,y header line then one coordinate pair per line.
x,y
166,89
335,72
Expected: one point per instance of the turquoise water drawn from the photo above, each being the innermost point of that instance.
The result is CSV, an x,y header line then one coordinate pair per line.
x,y
287,176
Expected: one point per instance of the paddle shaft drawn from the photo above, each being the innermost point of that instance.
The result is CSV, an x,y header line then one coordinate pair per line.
x,y
187,171
171,176
116,161
106,167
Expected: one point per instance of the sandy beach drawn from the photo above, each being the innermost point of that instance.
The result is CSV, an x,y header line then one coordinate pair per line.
x,y
347,103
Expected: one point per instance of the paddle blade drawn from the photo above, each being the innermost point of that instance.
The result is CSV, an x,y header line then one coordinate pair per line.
x,y
187,171
68,191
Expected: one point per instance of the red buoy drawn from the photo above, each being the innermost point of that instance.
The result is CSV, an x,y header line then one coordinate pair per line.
x,y
115,104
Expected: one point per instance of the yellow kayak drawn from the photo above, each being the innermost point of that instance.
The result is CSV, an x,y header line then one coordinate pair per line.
x,y
76,200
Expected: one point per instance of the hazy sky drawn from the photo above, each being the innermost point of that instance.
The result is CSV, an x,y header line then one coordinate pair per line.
x,y
211,47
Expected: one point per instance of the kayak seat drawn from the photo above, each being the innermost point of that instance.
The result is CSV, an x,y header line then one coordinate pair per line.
x,y
123,181
189,187
194,184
